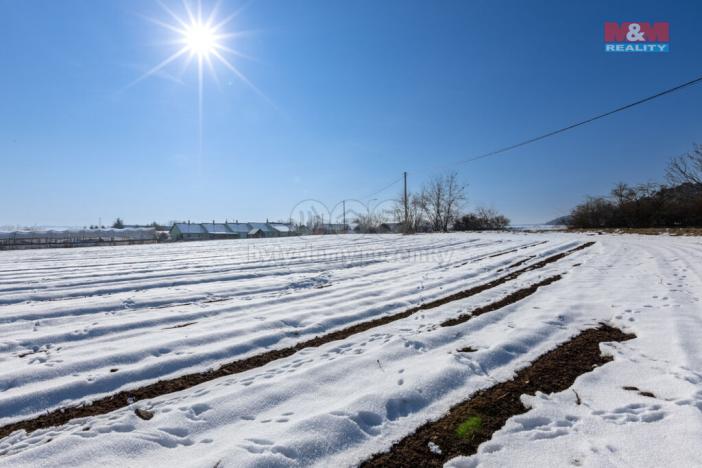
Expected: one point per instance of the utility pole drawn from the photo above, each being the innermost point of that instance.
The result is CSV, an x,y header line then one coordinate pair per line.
x,y
406,206
344,203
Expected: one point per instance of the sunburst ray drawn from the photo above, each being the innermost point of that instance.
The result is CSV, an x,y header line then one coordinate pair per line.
x,y
201,38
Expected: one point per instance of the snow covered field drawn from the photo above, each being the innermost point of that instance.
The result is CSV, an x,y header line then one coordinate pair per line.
x,y
77,325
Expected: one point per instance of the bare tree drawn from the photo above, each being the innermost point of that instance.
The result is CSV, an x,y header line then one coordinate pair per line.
x,y
623,193
369,222
442,200
454,198
645,190
416,217
438,204
314,223
433,202
686,168
415,212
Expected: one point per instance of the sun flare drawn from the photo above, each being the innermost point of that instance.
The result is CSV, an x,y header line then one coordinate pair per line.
x,y
204,40
200,39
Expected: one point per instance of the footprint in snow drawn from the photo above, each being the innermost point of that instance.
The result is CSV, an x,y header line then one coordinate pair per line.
x,y
633,413
544,428
695,401
260,446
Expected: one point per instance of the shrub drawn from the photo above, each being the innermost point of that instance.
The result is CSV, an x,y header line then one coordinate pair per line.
x,y
482,219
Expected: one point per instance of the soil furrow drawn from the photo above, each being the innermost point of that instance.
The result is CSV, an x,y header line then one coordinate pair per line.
x,y
518,263
124,398
472,422
505,301
498,254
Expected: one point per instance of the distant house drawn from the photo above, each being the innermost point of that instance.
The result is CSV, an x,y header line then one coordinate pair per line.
x,y
219,231
281,230
262,230
240,229
236,230
188,231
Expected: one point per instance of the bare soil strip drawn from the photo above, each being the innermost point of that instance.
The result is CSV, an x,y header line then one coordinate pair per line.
x,y
498,254
162,387
516,264
505,301
472,422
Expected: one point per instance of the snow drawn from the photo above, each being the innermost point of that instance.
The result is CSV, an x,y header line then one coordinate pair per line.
x,y
433,448
216,228
653,289
118,310
81,312
241,228
280,227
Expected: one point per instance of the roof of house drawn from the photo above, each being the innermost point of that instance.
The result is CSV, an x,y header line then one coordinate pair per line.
x,y
255,231
187,228
216,228
281,227
262,226
239,227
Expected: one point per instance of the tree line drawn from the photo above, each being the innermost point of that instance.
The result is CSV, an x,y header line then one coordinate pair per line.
x,y
677,203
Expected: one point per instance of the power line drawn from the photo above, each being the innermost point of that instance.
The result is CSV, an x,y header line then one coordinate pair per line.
x,y
383,189
556,132
583,122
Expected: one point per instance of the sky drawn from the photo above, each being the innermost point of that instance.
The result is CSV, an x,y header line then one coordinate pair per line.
x,y
340,98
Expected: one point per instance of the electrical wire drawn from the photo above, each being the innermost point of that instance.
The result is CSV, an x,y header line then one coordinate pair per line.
x,y
583,122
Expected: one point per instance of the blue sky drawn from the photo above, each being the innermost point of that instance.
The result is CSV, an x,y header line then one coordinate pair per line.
x,y
357,92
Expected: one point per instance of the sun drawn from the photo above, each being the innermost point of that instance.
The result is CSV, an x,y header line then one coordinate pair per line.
x,y
204,40
201,39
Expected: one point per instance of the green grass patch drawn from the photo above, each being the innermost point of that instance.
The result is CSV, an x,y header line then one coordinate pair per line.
x,y
468,427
